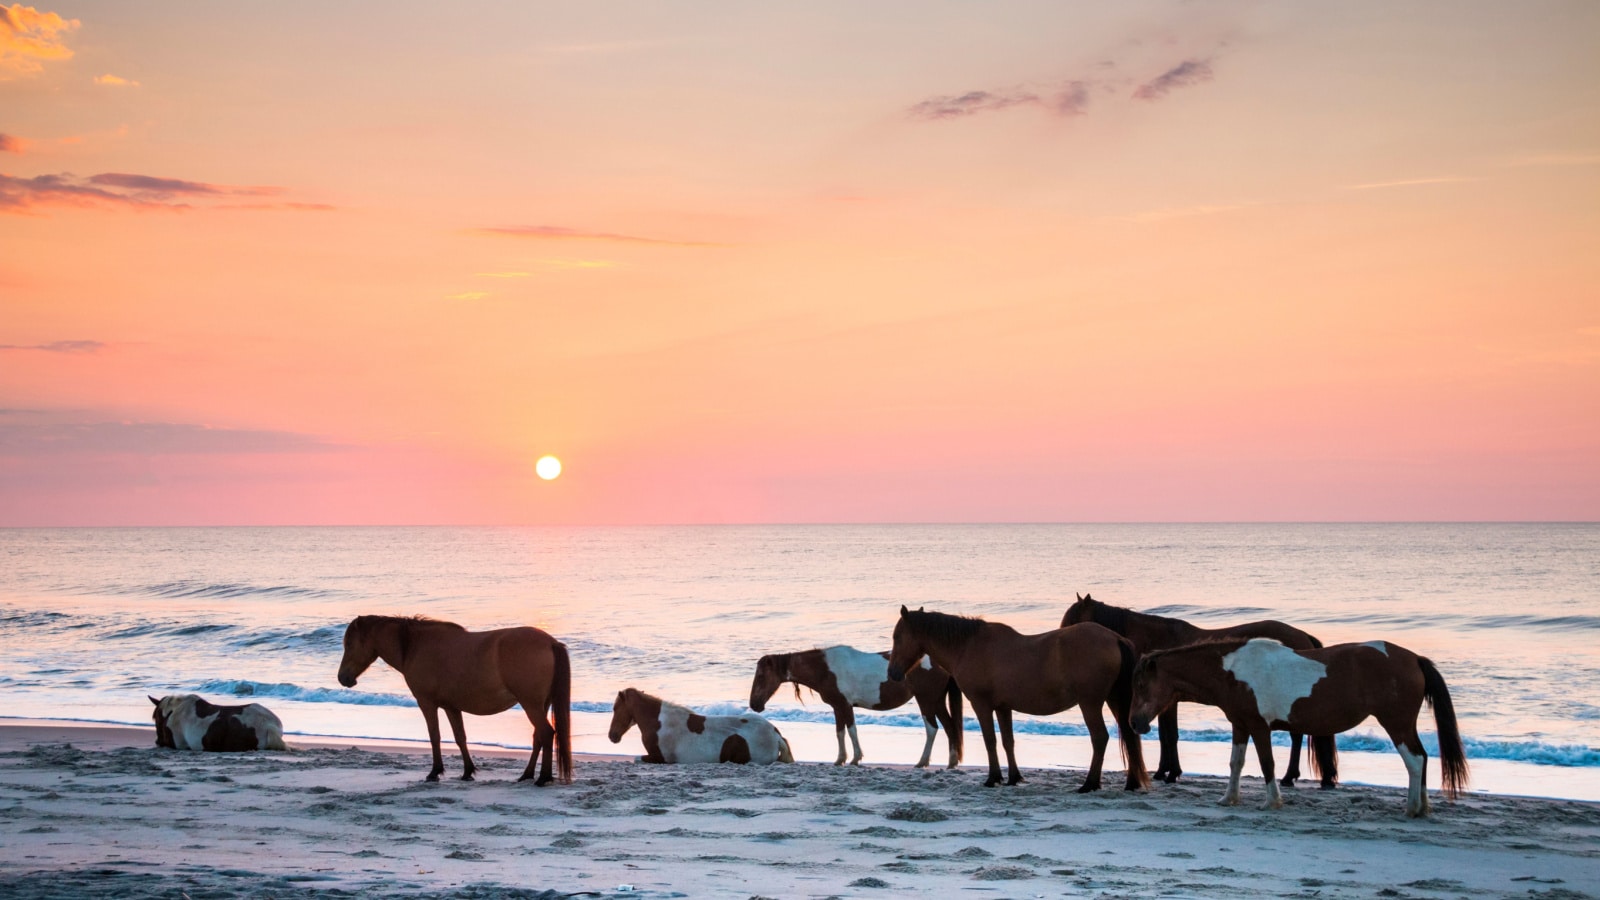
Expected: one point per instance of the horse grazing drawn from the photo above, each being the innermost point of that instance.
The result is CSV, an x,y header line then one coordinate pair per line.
x,y
677,734
1150,632
1261,684
848,678
479,672
1002,671
187,722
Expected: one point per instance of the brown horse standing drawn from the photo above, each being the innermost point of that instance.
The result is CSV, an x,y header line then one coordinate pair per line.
x,y
1002,671
1150,633
1261,684
484,672
847,678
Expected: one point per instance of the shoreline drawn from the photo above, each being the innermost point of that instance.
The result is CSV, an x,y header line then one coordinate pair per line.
x,y
97,809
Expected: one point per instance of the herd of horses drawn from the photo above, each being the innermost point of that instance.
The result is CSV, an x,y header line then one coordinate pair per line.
x,y
1265,676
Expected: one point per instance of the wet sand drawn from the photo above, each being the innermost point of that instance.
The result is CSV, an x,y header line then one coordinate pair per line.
x,y
98,811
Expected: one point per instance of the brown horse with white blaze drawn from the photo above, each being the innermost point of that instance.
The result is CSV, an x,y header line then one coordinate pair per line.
x,y
479,672
1261,685
848,678
1150,632
1002,671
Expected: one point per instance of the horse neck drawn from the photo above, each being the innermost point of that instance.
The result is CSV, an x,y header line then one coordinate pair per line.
x,y
808,667
386,640
1198,673
947,651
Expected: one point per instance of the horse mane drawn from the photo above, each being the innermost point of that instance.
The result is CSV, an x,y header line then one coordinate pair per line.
x,y
1116,617
407,621
1219,646
940,626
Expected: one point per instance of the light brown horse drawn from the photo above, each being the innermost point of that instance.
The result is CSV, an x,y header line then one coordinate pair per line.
x,y
1261,684
1150,632
848,678
479,672
1002,671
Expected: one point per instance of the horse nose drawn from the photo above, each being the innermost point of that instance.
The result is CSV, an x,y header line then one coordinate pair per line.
x,y
1141,726
758,705
897,674
346,680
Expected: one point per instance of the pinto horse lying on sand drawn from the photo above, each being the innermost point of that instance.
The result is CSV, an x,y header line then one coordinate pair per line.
x,y
1150,633
1261,684
479,672
677,734
1002,671
848,678
187,722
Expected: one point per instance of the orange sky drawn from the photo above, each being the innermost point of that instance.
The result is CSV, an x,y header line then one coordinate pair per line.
x,y
826,262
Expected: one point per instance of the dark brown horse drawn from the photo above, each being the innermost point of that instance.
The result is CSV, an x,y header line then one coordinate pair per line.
x,y
1150,632
1261,685
848,678
1002,672
479,672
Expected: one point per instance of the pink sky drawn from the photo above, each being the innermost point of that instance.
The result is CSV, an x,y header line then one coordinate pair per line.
x,y
827,262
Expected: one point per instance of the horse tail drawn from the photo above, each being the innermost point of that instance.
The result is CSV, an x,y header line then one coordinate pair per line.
x,y
1451,755
1324,757
956,728
1121,700
561,704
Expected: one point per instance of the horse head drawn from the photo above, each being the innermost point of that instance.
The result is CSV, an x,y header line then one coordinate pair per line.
x,y
1153,693
771,672
622,714
908,647
1081,611
360,649
163,729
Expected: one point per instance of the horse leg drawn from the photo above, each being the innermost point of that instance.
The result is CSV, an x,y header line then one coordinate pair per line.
x,y
985,717
544,739
1099,737
430,714
1415,756
460,731
1241,741
1004,715
1263,740
930,727
1168,769
1293,772
844,719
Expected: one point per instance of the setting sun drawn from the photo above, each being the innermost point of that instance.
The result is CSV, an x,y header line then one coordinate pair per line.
x,y
548,467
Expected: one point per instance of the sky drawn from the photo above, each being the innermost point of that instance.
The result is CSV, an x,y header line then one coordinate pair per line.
x,y
364,263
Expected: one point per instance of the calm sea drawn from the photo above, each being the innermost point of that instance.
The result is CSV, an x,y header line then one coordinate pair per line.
x,y
93,620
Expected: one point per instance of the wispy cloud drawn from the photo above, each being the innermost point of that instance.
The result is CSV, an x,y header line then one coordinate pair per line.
x,y
560,233
1408,182
1070,99
59,347
502,274
12,144
1184,74
110,80
29,38
468,295
21,438
128,191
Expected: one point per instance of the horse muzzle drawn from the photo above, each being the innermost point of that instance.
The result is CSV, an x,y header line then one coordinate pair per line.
x,y
896,673
348,681
1140,724
758,705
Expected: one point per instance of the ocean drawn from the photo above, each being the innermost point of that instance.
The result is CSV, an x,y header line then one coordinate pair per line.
x,y
92,620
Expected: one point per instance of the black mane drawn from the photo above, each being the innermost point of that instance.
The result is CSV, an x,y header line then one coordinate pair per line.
x,y
1219,646
1116,617
940,626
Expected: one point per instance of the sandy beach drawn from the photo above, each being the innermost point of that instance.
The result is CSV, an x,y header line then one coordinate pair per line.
x,y
98,811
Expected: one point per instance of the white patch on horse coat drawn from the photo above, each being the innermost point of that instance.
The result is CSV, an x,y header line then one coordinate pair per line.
x,y
1235,768
1380,646
1276,675
859,675
680,745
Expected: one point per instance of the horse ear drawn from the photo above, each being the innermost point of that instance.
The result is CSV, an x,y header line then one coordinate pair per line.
x,y
1088,597
903,609
1078,595
152,700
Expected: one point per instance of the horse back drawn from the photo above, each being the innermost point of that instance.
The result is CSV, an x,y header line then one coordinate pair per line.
x,y
1283,633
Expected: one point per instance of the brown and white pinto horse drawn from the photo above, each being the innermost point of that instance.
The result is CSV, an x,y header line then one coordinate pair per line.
x,y
188,722
1002,671
677,734
479,672
1150,632
848,678
1261,684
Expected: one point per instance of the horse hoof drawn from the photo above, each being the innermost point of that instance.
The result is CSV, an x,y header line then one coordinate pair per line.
x,y
1228,801
992,782
1088,788
544,780
1327,785
921,765
1287,781
467,776
432,776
